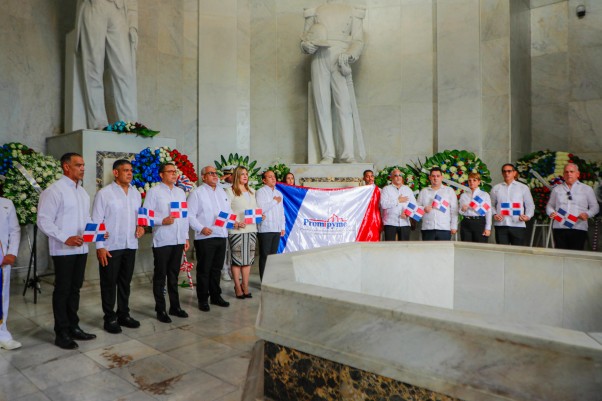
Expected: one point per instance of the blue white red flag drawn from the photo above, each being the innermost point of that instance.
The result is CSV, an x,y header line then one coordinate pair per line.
x,y
184,183
178,210
317,217
253,216
414,211
146,217
565,218
479,205
511,209
94,232
440,204
225,219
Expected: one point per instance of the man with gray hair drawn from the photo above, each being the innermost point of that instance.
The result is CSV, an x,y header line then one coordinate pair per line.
x,y
571,204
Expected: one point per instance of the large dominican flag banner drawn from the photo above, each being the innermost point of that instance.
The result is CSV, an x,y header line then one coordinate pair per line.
x,y
317,217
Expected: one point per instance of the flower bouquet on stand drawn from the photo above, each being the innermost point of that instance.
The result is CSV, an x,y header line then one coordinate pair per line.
x,y
236,160
146,169
383,179
129,127
26,173
280,170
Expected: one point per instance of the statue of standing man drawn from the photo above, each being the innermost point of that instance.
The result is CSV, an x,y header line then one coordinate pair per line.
x,y
333,33
108,28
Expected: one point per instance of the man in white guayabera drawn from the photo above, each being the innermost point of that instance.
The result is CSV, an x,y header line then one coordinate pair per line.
x,y
333,34
108,28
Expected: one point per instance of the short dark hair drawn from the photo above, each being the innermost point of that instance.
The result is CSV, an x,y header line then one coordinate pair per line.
x,y
367,171
66,158
120,162
509,164
163,165
265,172
436,168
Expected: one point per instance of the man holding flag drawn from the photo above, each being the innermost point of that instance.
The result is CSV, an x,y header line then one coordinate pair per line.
x,y
394,199
209,215
170,240
63,212
10,236
440,205
117,206
570,206
513,206
269,231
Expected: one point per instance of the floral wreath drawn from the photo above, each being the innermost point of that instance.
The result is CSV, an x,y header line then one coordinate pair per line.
x,y
146,169
239,160
455,165
383,177
280,170
131,127
26,173
550,167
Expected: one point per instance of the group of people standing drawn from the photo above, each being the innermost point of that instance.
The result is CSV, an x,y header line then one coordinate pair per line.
x,y
509,207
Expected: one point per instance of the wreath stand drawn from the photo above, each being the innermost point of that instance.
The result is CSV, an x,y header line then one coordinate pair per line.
x,y
545,234
33,281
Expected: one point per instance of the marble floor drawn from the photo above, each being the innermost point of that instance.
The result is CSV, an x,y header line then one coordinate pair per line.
x,y
204,357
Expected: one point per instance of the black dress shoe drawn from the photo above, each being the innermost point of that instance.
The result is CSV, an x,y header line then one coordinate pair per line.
x,y
129,322
249,295
65,342
204,306
219,301
79,334
162,317
178,312
112,327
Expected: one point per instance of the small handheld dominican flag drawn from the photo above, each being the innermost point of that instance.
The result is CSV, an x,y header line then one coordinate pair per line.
x,y
413,211
479,205
225,219
511,209
146,217
94,232
253,216
440,204
565,218
178,210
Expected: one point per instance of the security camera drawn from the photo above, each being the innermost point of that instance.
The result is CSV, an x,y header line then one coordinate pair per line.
x,y
580,11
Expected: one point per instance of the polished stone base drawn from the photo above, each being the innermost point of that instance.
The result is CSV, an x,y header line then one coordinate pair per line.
x,y
295,375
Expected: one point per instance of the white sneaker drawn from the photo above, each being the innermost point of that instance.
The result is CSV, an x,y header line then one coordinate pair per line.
x,y
10,344
226,276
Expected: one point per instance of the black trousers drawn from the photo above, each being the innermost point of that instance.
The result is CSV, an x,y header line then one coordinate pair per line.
x,y
505,235
115,279
210,256
569,239
471,230
401,233
436,235
168,260
268,245
68,279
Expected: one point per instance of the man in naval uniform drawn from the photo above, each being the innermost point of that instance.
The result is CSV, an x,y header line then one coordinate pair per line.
x,y
10,236
333,34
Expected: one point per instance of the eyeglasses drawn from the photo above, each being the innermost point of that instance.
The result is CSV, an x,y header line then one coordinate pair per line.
x,y
507,171
568,193
210,173
169,171
396,175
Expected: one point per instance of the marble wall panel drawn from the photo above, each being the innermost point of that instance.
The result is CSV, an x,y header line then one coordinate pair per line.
x,y
533,289
383,137
169,34
496,122
587,31
540,3
586,72
224,8
332,269
495,67
417,77
550,79
550,126
416,27
549,27
495,19
585,121
479,281
582,305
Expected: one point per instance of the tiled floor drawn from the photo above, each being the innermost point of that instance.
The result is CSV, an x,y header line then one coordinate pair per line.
x,y
203,357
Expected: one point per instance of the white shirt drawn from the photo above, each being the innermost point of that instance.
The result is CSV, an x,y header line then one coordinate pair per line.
x,y
120,215
516,192
392,210
584,201
204,204
467,197
273,210
436,219
158,198
10,230
63,212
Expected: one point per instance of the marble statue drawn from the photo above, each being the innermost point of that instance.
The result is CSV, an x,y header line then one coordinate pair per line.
x,y
108,28
333,34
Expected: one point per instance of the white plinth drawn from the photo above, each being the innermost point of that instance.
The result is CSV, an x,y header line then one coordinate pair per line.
x,y
330,175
